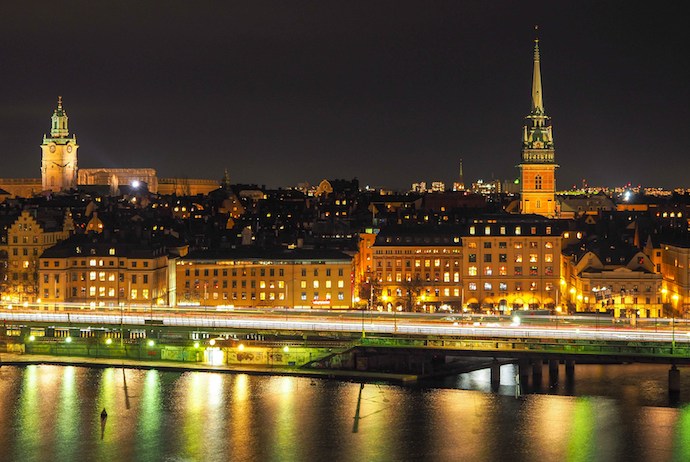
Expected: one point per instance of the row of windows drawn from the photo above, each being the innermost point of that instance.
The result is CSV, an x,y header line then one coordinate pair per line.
x,y
95,262
503,271
253,272
516,245
437,263
135,294
503,286
503,258
503,231
261,296
101,276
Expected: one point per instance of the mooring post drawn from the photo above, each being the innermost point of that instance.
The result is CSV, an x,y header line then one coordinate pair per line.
x,y
674,379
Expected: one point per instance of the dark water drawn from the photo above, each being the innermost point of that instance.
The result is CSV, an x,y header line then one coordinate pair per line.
x,y
53,413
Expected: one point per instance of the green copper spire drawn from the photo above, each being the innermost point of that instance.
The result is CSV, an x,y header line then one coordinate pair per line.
x,y
58,127
537,101
537,134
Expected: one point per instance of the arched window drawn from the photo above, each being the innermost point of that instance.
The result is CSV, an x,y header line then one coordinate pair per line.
x,y
537,182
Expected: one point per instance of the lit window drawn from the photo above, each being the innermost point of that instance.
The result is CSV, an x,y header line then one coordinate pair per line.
x,y
472,286
518,231
487,286
472,270
488,271
472,230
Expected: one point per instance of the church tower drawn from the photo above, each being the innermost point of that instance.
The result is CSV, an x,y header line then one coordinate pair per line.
x,y
538,166
59,161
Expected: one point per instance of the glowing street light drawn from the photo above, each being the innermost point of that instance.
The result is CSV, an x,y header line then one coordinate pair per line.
x,y
151,343
240,347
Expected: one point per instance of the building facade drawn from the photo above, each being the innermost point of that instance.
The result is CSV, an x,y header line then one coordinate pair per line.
x,y
106,274
59,154
538,166
249,277
33,232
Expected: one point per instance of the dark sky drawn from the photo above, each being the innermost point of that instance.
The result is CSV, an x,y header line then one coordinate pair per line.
x,y
391,92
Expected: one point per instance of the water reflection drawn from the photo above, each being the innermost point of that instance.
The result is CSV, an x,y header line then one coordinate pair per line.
x,y
54,412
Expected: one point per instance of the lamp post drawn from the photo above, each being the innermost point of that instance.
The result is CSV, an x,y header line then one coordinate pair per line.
x,y
673,322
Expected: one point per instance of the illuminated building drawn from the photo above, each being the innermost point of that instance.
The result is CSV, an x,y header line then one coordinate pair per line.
x,y
612,277
107,273
498,262
28,237
263,278
59,160
538,167
673,260
418,268
59,170
511,263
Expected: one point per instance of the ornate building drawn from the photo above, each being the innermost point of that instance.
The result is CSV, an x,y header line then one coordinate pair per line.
x,y
59,159
538,168
59,170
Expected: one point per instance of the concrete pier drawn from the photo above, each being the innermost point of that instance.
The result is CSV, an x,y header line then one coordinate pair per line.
x,y
495,375
553,370
674,380
569,369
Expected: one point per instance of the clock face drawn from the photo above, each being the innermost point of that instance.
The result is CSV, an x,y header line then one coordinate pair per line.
x,y
69,148
52,148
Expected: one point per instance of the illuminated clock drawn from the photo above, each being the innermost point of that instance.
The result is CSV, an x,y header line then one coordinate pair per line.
x,y
69,148
52,148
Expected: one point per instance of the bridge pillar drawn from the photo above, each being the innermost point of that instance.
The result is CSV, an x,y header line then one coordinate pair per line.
x,y
523,369
495,375
553,370
674,380
537,369
569,369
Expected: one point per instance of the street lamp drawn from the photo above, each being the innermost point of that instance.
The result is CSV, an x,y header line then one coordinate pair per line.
x,y
673,322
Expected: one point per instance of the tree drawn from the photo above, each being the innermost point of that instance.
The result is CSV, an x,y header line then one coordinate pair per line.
x,y
412,288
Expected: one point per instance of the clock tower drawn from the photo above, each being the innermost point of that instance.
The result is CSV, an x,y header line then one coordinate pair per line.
x,y
59,161
538,166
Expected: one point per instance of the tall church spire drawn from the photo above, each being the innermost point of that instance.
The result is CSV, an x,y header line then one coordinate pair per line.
x,y
537,101
537,169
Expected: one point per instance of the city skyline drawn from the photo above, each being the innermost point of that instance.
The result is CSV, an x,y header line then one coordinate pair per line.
x,y
281,95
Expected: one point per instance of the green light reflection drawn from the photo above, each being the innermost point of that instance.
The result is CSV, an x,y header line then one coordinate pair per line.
x,y
582,435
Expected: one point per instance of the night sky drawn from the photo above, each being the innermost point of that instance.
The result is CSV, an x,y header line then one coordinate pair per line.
x,y
391,92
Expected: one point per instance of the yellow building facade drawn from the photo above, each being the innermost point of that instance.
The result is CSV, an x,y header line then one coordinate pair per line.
x,y
106,275
249,278
27,238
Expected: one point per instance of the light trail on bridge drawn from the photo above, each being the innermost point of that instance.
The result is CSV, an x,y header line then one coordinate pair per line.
x,y
401,326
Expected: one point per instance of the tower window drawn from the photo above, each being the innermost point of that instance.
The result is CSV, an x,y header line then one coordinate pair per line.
x,y
537,182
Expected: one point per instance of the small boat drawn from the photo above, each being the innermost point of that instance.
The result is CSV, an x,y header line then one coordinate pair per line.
x,y
104,415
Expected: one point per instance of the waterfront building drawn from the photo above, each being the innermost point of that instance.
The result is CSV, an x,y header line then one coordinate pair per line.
x,y
418,268
512,263
252,277
672,259
23,242
538,166
605,276
500,262
107,272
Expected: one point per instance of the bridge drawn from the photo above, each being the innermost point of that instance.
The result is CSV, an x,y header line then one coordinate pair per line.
x,y
409,343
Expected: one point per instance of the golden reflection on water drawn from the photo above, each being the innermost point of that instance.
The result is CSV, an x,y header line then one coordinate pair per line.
x,y
54,412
